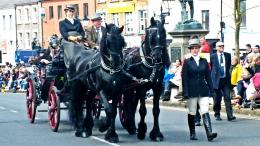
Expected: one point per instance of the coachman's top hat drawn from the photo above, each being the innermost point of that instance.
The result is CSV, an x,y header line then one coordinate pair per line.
x,y
194,43
96,17
69,7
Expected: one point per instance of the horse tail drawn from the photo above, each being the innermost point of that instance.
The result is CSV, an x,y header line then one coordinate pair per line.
x,y
76,104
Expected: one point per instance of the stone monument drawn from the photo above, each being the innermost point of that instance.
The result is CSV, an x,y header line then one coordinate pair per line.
x,y
186,29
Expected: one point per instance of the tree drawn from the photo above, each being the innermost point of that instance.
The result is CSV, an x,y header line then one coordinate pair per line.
x,y
238,19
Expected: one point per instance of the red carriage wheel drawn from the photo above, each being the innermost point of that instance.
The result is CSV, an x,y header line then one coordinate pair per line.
x,y
53,108
31,101
122,114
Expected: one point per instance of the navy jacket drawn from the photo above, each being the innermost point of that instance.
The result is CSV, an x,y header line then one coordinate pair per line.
x,y
196,81
215,69
66,26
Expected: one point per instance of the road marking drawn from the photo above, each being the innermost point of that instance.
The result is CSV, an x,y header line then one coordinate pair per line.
x,y
104,141
13,111
2,108
37,118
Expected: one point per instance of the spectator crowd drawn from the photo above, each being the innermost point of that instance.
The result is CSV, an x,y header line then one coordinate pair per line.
x,y
12,77
244,75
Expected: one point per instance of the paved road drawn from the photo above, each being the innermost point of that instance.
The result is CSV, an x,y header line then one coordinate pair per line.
x,y
15,130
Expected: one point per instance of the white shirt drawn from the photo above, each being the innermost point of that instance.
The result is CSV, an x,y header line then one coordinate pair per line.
x,y
98,30
197,59
71,20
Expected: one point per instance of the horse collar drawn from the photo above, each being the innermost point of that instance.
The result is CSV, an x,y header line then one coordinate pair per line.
x,y
146,64
109,69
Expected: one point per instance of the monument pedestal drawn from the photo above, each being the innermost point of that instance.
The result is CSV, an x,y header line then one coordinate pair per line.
x,y
183,32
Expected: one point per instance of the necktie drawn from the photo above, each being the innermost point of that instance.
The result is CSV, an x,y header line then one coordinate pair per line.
x,y
222,70
98,35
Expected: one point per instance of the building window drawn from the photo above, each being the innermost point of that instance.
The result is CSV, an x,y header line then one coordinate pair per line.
x,y
35,15
28,40
243,12
85,10
205,19
76,11
142,21
27,15
115,19
20,40
35,35
10,22
19,16
4,24
129,22
51,12
59,11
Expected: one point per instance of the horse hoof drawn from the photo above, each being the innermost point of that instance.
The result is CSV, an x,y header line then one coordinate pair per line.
x,y
89,132
156,136
141,136
157,139
78,134
112,139
142,128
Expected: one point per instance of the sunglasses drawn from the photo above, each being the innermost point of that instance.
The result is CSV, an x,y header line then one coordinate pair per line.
x,y
221,46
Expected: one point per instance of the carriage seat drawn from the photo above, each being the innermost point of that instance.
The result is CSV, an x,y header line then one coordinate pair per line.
x,y
57,67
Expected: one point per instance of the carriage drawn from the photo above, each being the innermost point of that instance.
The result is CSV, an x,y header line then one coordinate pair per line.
x,y
45,84
101,77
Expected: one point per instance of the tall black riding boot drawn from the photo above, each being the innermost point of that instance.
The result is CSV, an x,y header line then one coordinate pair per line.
x,y
191,121
208,128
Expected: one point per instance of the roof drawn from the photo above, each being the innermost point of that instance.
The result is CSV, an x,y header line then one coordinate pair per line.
x,y
7,4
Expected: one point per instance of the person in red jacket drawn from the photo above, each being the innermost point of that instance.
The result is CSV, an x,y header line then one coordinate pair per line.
x,y
205,47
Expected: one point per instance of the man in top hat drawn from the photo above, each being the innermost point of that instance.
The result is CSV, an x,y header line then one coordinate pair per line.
x,y
71,28
220,66
95,32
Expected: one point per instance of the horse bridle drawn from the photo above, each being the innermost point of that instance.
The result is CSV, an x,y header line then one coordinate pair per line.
x,y
109,58
145,57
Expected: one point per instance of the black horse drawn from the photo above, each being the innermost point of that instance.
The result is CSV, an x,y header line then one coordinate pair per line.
x,y
98,73
149,64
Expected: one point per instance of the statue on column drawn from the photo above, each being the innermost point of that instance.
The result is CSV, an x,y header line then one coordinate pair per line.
x,y
184,13
187,23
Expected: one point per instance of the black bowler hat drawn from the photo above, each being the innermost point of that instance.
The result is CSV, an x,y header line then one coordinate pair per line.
x,y
69,7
